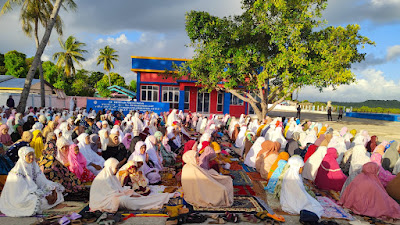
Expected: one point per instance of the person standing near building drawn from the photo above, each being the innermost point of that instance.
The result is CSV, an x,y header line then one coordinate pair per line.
x,y
330,114
340,117
298,111
10,102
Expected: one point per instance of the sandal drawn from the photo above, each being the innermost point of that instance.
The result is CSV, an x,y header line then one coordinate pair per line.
x,y
102,217
261,215
64,221
231,217
276,217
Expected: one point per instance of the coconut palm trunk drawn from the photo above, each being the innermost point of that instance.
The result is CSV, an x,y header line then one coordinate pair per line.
x,y
42,92
37,60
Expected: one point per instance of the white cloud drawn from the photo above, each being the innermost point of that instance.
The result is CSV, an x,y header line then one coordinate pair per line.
x,y
371,85
393,52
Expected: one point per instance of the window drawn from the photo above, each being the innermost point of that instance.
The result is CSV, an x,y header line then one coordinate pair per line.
x,y
171,95
149,93
236,101
187,98
220,101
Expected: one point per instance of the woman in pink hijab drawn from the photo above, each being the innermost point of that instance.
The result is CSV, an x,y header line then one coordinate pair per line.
x,y
5,138
127,140
77,164
366,195
330,176
384,176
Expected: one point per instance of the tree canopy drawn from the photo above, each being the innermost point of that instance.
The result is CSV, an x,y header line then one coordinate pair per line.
x,y
106,57
71,53
103,84
15,64
274,48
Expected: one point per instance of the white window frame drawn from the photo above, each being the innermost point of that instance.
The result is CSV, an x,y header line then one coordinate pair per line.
x,y
170,90
154,90
222,102
235,100
187,102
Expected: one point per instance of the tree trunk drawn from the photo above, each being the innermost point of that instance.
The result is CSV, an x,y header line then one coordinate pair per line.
x,y
109,79
42,92
36,61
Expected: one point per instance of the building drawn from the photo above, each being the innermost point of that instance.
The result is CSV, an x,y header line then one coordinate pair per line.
x,y
183,94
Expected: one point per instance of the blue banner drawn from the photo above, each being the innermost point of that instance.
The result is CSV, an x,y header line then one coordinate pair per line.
x,y
127,106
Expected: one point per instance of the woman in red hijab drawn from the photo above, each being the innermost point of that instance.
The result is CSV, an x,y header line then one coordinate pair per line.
x,y
365,195
311,150
329,175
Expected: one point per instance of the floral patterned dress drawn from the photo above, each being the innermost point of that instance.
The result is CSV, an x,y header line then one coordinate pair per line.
x,y
56,171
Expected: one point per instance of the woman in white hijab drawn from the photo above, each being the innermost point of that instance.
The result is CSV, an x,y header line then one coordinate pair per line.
x,y
294,197
104,138
203,125
239,143
117,130
66,131
138,126
312,164
198,125
172,117
27,191
359,157
153,126
18,119
152,174
107,194
277,135
152,152
94,162
251,156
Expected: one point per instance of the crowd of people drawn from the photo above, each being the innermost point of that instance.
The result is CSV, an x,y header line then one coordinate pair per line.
x,y
48,154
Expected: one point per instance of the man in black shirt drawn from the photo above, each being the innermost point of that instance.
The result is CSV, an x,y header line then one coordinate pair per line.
x,y
340,117
10,102
298,111
329,114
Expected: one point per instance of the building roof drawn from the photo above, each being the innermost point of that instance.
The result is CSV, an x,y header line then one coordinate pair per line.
x,y
122,90
10,82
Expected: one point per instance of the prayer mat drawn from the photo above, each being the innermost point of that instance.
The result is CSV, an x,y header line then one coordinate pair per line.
x,y
247,168
332,210
168,179
240,178
245,204
65,208
243,191
255,176
235,166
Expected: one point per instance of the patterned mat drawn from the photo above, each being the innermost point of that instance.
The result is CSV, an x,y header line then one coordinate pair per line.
x,y
332,210
241,204
243,191
65,208
240,178
236,166
247,168
255,176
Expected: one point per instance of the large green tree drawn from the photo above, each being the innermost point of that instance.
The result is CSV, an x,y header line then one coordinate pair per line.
x,y
71,53
106,57
36,13
103,84
15,63
50,72
3,69
274,48
133,86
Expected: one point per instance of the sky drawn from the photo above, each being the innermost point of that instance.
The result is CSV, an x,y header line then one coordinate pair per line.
x,y
157,28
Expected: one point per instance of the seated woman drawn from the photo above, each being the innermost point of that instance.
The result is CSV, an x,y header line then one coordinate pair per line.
x,y
152,174
17,134
293,196
115,149
5,138
37,143
207,158
393,188
54,170
107,194
77,164
95,143
276,171
27,191
195,180
12,152
266,157
94,162
130,175
155,158
365,195
163,147
329,175
5,163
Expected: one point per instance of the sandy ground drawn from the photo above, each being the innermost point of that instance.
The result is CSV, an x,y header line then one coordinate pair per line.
x,y
385,130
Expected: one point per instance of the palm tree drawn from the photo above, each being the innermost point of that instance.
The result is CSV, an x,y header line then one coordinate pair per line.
x,y
33,14
39,52
107,56
72,53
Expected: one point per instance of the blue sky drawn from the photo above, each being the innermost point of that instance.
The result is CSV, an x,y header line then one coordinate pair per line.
x,y
157,28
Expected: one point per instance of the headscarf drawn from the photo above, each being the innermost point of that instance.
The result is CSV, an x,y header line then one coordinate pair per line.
x,y
329,175
5,139
94,139
282,156
77,162
188,146
37,143
251,156
359,157
62,156
372,144
366,195
384,176
343,131
390,157
313,163
127,140
206,157
294,197
151,151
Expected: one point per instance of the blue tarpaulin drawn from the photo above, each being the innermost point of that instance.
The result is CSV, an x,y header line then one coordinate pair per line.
x,y
127,106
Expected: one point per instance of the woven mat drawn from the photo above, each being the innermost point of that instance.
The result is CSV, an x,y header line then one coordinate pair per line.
x,y
65,208
241,204
235,166
243,191
332,210
240,178
255,176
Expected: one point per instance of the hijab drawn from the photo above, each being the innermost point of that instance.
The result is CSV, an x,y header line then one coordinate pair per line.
x,y
77,162
62,156
329,175
372,144
282,156
205,158
127,140
390,157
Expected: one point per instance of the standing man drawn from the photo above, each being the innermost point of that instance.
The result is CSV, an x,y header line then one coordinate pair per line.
x,y
340,117
330,114
10,102
298,111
